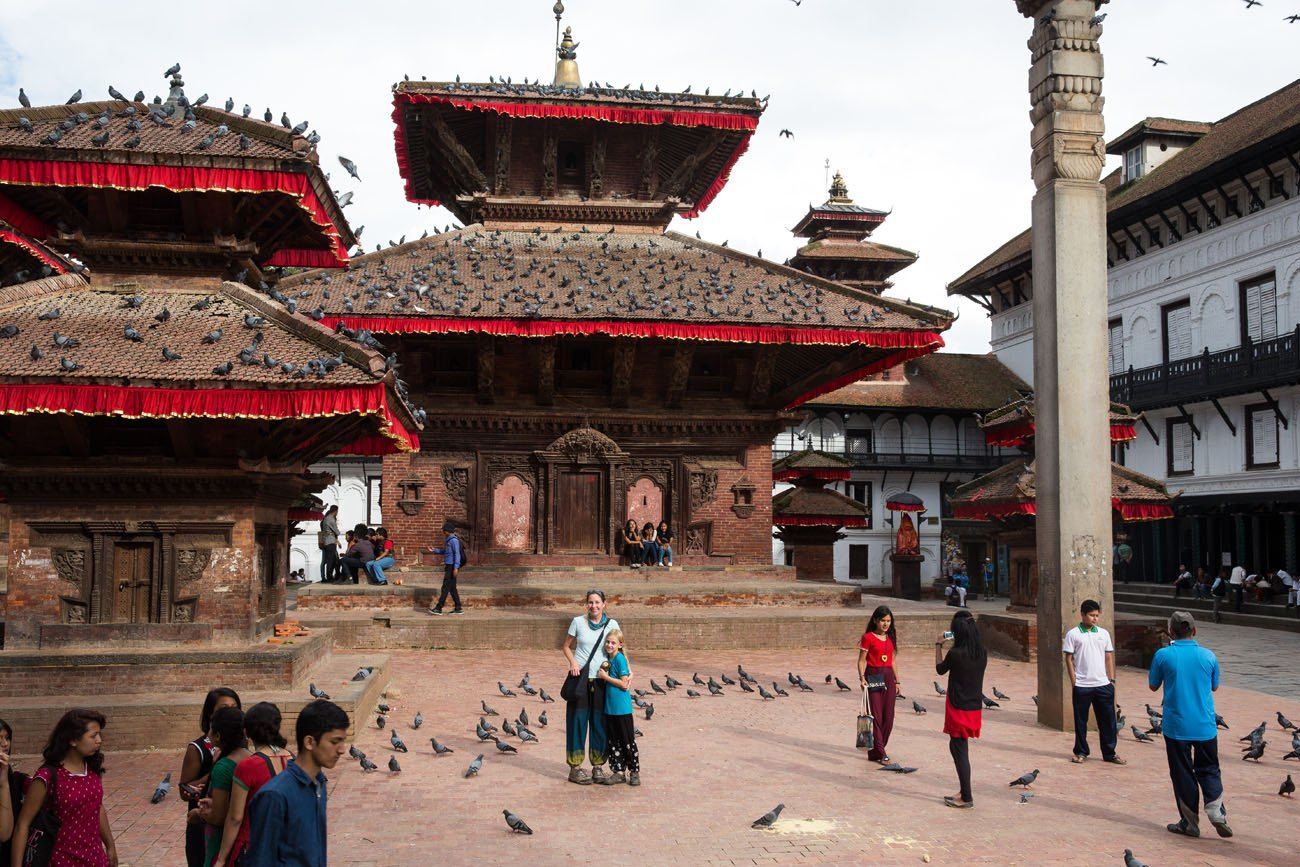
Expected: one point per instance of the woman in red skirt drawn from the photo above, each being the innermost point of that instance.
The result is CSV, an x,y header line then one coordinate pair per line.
x,y
876,662
964,664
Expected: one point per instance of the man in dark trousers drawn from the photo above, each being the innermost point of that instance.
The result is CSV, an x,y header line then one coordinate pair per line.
x,y
1189,674
328,540
453,557
1090,662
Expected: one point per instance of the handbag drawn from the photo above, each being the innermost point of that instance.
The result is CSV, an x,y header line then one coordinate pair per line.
x,y
876,683
44,831
866,738
572,682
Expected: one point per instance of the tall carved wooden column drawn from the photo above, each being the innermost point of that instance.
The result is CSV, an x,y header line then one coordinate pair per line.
x,y
1072,441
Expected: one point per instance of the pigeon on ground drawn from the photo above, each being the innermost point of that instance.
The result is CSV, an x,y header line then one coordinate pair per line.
x,y
1254,734
695,679
1140,735
842,685
745,675
487,710
1035,698
1255,751
393,765
657,688
1218,721
508,728
768,819
545,697
745,687
1130,861
636,700
354,752
919,708
439,748
765,694
672,684
485,725
418,721
897,768
474,766
794,681
523,717
381,721
316,693
726,680
1025,796
367,765
714,689
649,711
397,743
939,689
526,736
504,747
690,693
999,694
484,734
541,719
1287,790
363,673
776,687
988,702
1025,780
1155,729
1294,754
523,681
803,685
504,691
528,690
517,825
166,785
1285,723
829,678
1153,712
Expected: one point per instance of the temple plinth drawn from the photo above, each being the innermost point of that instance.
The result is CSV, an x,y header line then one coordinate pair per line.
x,y
1069,270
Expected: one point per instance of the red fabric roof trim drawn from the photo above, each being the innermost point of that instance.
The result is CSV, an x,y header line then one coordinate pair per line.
x,y
981,511
131,402
893,506
925,341
22,220
1134,512
614,113
894,358
371,446
403,161
1009,434
718,183
62,173
820,475
21,241
301,258
817,521
1123,433
305,515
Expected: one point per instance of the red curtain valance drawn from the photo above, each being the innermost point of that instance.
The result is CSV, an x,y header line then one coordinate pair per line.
x,y
589,111
1143,511
823,475
303,258
1122,433
1010,435
818,521
305,515
34,249
719,182
22,220
986,511
128,176
371,446
134,402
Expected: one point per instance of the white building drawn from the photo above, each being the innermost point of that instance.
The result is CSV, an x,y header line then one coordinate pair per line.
x,y
355,491
910,428
1204,249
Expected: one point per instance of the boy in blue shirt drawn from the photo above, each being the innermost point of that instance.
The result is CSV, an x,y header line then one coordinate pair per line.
x,y
453,557
621,732
1189,674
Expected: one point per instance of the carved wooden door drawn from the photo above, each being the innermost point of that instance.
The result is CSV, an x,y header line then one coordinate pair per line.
x,y
577,511
133,584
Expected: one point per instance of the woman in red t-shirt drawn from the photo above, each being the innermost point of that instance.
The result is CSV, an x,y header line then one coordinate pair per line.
x,y
262,725
876,661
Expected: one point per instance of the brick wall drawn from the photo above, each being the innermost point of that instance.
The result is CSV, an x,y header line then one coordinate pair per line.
x,y
411,533
748,540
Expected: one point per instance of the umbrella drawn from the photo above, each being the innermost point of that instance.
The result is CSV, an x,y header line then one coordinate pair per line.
x,y
904,502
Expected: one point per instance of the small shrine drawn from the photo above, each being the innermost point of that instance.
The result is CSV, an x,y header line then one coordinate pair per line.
x,y
809,516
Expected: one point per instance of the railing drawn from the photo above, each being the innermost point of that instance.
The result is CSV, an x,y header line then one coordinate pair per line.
x,y
982,462
1241,369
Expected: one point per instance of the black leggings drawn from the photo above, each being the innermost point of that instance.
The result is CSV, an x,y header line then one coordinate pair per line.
x,y
960,749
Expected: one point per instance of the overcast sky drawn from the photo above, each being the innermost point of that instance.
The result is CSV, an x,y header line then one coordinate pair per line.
x,y
920,103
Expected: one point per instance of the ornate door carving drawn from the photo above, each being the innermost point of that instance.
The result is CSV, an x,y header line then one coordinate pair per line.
x,y
133,585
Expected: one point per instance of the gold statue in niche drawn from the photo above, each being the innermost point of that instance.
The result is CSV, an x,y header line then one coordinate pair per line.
x,y
907,541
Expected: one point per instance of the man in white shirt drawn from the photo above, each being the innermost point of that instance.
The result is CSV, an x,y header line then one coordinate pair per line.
x,y
1090,660
1289,583
1237,584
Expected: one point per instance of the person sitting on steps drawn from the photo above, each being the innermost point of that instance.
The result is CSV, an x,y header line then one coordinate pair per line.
x,y
631,540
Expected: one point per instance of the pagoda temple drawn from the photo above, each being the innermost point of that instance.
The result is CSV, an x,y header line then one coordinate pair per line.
x,y
581,363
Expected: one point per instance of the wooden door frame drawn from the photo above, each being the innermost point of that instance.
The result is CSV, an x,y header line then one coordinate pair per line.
x,y
602,504
581,448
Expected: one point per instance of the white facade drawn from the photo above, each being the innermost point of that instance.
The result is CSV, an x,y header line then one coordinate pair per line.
x,y
355,491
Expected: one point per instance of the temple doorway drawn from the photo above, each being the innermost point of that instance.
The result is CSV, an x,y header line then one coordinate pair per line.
x,y
578,510
133,583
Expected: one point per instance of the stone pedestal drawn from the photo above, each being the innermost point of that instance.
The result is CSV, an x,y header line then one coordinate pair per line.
x,y
1069,284
907,575
812,551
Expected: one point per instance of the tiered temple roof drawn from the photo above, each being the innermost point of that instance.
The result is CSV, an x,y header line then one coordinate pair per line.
x,y
1010,491
1013,424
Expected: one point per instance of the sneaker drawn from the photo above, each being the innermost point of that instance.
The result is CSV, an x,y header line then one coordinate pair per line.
x,y
1184,829
579,776
436,611
614,779
1219,819
598,774
634,779
458,611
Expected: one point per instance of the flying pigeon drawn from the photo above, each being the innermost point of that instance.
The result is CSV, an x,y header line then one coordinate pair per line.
x,y
1140,735
998,694
1287,790
768,819
166,785
349,166
393,765
785,133
487,710
439,748
940,690
517,825
504,691
897,768
918,708
1156,61
397,743
474,767
315,692
1025,780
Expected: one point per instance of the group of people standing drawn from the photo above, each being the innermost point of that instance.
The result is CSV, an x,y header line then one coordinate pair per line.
x,y
365,549
648,546
1239,584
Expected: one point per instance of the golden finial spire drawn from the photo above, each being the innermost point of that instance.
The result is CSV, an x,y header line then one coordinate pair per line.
x,y
566,68
839,190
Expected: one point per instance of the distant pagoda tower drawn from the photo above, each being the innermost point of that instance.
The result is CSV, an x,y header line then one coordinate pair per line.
x,y
838,248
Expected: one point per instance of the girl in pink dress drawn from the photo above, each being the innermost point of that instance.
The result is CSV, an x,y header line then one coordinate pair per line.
x,y
73,753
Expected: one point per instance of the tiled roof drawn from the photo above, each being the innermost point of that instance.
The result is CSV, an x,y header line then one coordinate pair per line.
x,y
97,318
815,503
593,94
1274,117
811,460
943,380
1015,482
1165,126
479,273
866,250
24,258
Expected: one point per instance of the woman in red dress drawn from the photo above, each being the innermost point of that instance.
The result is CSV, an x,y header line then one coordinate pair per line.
x,y
72,759
876,664
964,664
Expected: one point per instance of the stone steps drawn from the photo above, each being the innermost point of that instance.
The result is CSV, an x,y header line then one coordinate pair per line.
x,y
1252,614
582,576
167,720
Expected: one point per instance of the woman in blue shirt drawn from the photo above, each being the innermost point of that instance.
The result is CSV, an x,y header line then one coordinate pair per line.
x,y
616,673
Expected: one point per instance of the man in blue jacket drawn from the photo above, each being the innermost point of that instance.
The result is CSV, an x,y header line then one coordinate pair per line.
x,y
1189,674
453,557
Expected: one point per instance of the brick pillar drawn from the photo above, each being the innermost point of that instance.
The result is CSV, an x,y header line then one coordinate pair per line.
x,y
1072,390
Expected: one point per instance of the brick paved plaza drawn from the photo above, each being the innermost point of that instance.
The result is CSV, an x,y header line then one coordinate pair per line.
x,y
713,765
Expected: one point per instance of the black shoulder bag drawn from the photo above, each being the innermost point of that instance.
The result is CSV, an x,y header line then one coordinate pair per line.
x,y
573,682
44,832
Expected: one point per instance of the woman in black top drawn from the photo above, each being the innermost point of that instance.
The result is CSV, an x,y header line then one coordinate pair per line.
x,y
200,756
12,785
964,664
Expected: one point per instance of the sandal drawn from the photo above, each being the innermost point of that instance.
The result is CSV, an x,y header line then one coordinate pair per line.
x,y
1077,759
